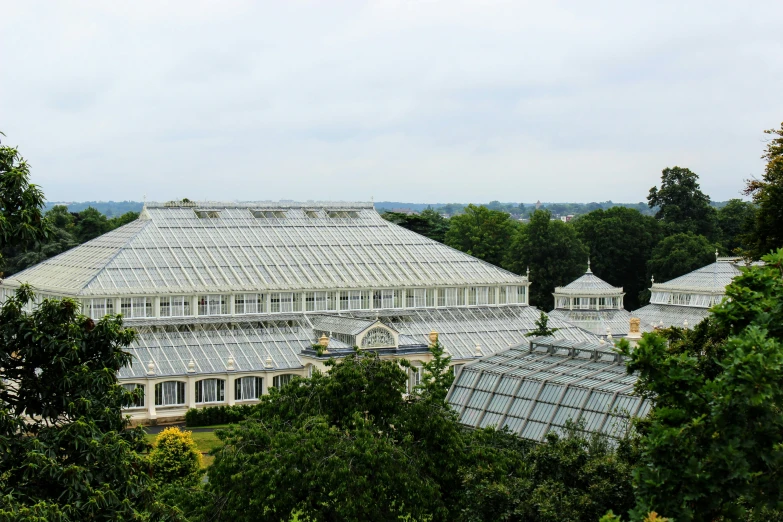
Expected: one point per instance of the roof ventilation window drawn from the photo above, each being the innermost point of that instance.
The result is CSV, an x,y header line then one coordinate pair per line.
x,y
338,214
268,214
207,214
311,213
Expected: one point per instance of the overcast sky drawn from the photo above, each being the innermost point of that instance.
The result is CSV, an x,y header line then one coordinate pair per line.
x,y
408,101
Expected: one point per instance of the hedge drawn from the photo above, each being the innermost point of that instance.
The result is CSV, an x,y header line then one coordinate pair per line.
x,y
218,415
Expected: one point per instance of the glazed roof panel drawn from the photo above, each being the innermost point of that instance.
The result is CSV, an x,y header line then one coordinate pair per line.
x,y
315,246
532,402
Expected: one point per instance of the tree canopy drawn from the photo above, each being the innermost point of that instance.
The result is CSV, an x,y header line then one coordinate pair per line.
x,y
681,205
679,254
713,444
428,223
620,241
21,204
482,233
552,251
767,193
736,220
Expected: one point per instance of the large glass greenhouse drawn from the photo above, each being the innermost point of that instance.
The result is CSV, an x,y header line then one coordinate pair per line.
x,y
229,299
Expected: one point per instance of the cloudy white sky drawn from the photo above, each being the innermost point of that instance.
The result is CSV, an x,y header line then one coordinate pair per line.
x,y
420,101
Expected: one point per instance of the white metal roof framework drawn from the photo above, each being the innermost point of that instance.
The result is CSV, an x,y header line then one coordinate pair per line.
x,y
591,303
535,389
207,282
688,297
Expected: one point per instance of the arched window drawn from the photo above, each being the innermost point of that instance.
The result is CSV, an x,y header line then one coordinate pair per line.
x,y
210,390
248,388
169,393
278,381
138,400
378,338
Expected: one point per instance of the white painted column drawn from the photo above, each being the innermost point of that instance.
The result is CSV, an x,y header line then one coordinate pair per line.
x,y
156,306
149,398
194,305
231,305
265,383
230,383
190,392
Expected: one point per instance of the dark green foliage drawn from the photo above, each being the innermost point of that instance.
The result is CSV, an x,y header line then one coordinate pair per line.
x,y
66,230
542,327
482,233
736,221
767,193
21,204
679,254
571,477
212,415
73,459
620,241
681,205
436,375
713,445
552,251
428,223
342,446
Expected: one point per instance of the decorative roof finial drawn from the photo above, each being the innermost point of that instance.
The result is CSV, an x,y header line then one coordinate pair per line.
x,y
652,279
150,368
588,265
478,352
685,324
528,273
268,362
191,367
230,364
716,255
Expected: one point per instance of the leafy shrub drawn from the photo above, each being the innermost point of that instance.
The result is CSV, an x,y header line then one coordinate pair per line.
x,y
175,457
218,415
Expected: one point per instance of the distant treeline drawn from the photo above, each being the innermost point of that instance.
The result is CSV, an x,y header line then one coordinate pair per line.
x,y
109,209
117,208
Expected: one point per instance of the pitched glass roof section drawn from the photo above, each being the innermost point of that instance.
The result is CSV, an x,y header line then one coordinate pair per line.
x,y
171,250
598,322
688,297
209,342
588,284
534,390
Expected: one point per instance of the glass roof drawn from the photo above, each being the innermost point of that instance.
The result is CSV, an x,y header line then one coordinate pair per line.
x,y
226,247
534,390
588,284
596,321
209,344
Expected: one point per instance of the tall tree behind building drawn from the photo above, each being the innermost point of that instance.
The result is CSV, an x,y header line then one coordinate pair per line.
x,y
482,233
767,193
621,241
681,205
553,252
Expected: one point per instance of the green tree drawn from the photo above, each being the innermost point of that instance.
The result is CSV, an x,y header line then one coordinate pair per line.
x,y
620,241
66,451
128,217
90,224
679,254
428,223
346,445
736,221
436,375
552,251
175,457
713,443
573,477
681,205
482,233
767,193
542,327
21,205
